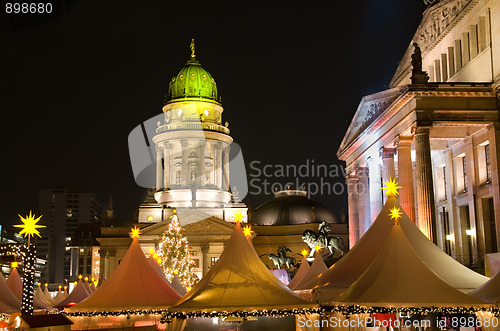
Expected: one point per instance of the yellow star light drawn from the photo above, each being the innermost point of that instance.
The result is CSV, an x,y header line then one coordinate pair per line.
x,y
13,265
238,216
318,247
134,232
151,250
395,213
247,231
391,187
29,226
304,252
158,260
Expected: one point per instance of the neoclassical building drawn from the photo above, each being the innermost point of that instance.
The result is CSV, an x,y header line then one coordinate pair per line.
x,y
192,178
435,130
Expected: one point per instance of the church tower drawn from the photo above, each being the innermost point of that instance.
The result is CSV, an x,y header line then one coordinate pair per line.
x,y
192,144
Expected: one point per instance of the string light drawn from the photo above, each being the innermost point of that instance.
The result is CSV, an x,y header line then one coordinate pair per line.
x,y
173,250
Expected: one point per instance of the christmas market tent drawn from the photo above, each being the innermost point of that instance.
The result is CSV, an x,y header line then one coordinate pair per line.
x,y
87,287
133,285
177,286
47,294
238,281
15,284
78,294
398,277
489,291
299,275
59,297
40,297
157,268
6,295
350,267
317,268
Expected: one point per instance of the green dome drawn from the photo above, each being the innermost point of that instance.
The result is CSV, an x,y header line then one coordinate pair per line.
x,y
192,83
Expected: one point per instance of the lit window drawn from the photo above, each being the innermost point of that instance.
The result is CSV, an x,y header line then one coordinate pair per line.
x,y
179,112
150,218
214,259
206,112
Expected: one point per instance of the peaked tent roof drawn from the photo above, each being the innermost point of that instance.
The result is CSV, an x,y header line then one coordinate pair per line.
x,y
239,281
47,295
299,275
6,295
317,268
59,297
87,287
350,267
15,284
400,278
78,294
133,285
40,297
177,286
489,291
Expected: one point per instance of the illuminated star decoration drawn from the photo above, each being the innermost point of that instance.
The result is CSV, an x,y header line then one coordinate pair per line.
x,y
391,187
13,265
238,216
395,213
317,247
247,231
29,226
151,251
134,232
304,252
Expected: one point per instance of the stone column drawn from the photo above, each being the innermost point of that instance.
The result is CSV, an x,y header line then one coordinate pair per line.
x,y
218,165
159,168
166,165
425,191
352,201
405,176
226,168
201,164
375,179
363,192
388,167
204,252
184,165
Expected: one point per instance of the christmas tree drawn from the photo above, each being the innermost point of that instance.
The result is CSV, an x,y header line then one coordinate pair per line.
x,y
173,251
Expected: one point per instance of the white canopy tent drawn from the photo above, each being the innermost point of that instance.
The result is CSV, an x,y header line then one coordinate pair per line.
x,y
15,284
317,268
300,274
7,296
489,291
133,285
350,267
76,296
238,281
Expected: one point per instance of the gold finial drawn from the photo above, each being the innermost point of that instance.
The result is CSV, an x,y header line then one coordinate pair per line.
x,y
192,47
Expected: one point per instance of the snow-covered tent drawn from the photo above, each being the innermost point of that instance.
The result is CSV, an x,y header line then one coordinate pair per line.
x,y
489,291
317,268
133,285
350,267
78,294
238,281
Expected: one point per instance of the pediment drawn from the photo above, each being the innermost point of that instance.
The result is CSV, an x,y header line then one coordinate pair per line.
x,y
209,226
369,110
437,22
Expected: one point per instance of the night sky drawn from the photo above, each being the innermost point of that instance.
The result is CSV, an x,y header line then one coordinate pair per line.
x,y
291,75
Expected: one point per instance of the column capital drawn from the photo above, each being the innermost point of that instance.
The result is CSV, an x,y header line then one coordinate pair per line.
x,y
420,130
386,153
404,141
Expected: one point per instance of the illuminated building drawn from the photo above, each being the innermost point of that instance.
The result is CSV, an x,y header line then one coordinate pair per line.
x,y
437,135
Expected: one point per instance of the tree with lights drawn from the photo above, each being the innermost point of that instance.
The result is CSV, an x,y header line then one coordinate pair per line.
x,y
173,251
